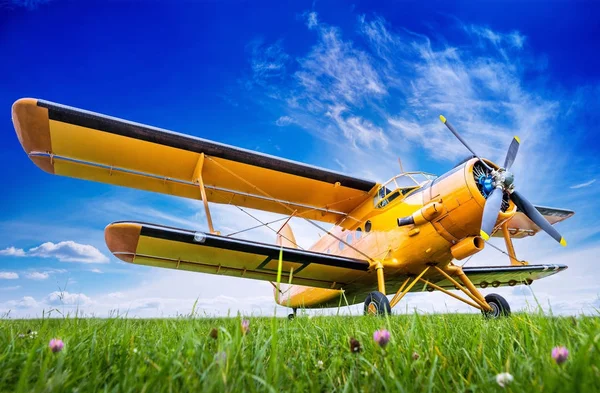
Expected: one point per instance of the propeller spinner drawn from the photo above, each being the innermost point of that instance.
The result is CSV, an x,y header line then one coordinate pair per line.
x,y
498,182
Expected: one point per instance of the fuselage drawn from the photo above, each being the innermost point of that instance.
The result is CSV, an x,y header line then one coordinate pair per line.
x,y
442,218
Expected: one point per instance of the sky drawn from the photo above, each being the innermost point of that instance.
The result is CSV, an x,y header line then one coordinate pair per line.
x,y
349,86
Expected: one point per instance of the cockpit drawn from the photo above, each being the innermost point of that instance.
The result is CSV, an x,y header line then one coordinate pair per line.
x,y
400,186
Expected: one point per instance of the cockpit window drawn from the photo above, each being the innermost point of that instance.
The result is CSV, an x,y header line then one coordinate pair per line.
x,y
401,185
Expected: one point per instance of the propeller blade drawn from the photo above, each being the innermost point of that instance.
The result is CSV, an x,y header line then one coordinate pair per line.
x,y
490,213
457,135
511,154
534,215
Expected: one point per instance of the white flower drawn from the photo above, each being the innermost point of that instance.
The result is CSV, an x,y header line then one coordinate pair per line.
x,y
320,364
33,334
504,379
135,350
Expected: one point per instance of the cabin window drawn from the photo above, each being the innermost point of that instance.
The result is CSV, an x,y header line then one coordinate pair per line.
x,y
358,233
368,226
349,238
341,245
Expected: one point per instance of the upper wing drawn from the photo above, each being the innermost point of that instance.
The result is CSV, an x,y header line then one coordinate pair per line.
x,y
496,276
167,247
77,143
521,226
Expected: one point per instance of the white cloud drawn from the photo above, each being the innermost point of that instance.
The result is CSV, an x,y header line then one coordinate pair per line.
x,y
98,271
312,20
581,185
8,276
65,251
27,302
37,275
69,299
12,252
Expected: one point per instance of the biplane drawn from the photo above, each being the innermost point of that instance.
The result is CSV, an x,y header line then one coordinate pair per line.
x,y
392,238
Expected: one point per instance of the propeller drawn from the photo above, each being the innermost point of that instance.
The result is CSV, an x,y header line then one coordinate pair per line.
x,y
496,184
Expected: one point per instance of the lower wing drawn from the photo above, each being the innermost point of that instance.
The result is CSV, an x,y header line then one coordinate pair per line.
x,y
173,248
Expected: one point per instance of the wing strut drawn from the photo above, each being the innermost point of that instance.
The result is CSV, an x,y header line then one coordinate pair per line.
x,y
371,260
198,179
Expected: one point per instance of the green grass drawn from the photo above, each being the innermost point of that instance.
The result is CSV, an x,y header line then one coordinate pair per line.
x,y
456,353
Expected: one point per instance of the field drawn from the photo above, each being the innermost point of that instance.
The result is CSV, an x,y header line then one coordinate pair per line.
x,y
426,353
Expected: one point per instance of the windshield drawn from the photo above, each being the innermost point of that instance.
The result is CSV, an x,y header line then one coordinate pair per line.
x,y
401,184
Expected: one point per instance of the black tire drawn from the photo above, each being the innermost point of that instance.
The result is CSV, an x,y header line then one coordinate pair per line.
x,y
377,303
500,307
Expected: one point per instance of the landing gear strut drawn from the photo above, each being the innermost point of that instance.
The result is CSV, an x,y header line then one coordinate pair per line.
x,y
293,315
377,303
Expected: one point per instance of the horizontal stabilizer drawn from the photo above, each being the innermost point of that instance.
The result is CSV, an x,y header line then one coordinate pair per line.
x,y
497,276
520,226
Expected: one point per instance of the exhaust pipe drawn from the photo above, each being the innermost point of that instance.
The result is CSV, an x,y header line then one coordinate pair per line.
x,y
423,215
467,247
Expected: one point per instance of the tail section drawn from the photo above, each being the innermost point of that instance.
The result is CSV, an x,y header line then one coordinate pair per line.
x,y
299,296
285,237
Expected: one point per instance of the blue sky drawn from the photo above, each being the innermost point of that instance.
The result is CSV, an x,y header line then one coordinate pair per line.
x,y
347,86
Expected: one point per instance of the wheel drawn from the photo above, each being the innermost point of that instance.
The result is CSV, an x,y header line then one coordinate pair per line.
x,y
500,307
377,303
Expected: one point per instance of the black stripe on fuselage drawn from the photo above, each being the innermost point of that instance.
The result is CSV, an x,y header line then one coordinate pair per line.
x,y
268,250
146,133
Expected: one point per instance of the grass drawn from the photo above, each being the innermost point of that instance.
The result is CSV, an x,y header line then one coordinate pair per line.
x,y
456,353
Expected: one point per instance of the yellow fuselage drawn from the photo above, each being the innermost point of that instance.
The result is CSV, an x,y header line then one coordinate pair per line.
x,y
447,217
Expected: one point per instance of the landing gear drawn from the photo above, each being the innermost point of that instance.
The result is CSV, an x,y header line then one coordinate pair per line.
x,y
377,303
499,305
293,315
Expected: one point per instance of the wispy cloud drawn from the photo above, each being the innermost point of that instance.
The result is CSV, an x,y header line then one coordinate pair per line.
x,y
8,276
29,4
284,121
268,62
65,251
11,288
586,184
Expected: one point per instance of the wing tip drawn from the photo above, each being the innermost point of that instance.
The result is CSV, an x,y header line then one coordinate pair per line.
x,y
32,126
122,239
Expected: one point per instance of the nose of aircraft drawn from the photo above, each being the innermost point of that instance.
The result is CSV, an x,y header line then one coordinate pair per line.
x,y
502,182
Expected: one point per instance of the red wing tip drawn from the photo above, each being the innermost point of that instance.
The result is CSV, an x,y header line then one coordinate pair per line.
x,y
122,239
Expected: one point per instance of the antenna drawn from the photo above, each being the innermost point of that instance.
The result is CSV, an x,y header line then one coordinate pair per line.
x,y
400,163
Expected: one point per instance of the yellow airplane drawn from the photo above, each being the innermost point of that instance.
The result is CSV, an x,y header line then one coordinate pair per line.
x,y
396,237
